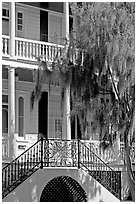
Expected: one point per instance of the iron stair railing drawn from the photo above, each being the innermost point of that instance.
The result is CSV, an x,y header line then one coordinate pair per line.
x,y
59,153
49,153
14,173
99,170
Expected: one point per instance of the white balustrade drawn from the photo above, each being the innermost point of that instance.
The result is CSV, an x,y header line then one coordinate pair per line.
x,y
30,49
109,155
5,45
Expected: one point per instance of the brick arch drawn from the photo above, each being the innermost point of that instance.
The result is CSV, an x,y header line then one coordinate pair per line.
x,y
63,189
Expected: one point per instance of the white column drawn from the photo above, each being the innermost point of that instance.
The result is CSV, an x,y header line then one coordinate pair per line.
x,y
66,111
12,30
11,91
11,86
75,26
66,19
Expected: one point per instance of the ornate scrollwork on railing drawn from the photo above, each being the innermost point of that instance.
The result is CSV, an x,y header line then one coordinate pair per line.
x,y
60,153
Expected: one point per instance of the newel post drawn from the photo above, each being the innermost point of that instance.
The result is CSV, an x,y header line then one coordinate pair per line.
x,y
41,153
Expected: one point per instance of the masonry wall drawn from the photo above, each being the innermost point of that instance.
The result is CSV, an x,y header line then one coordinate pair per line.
x,y
31,189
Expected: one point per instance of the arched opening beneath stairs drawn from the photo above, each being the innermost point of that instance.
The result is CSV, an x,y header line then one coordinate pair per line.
x,y
63,189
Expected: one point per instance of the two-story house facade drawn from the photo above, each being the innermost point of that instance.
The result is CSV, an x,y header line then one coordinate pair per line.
x,y
29,30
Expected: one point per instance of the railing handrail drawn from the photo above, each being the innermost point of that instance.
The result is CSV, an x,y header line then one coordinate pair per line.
x,y
42,161
98,157
34,41
116,191
55,139
6,36
21,154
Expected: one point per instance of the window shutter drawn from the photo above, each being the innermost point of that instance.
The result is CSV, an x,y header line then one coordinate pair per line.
x,y
55,29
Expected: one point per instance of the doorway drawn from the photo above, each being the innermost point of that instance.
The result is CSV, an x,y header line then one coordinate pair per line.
x,y
44,26
43,115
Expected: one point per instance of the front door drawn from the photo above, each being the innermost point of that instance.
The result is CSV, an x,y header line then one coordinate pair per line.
x,y
43,115
44,26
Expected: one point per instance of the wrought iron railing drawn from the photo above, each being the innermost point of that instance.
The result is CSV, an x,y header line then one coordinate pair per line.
x,y
99,170
58,153
20,168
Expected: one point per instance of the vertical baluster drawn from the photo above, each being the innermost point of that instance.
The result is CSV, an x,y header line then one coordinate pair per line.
x,y
9,176
34,155
31,158
11,172
5,185
34,51
15,171
46,53
25,163
16,48
50,51
30,50
23,50
55,53
28,161
45,50
6,46
3,46
37,154
37,50
18,169
21,165
19,48
42,52
26,48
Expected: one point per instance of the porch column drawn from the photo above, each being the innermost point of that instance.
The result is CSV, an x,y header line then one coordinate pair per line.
x,y
11,86
66,111
75,26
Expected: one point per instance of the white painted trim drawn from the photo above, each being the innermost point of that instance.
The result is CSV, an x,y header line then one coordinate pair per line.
x,y
18,64
19,10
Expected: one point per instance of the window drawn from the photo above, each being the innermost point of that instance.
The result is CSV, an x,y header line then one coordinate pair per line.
x,y
58,128
5,14
5,114
4,118
21,117
19,21
5,21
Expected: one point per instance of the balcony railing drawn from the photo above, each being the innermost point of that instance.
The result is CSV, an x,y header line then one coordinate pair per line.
x,y
30,49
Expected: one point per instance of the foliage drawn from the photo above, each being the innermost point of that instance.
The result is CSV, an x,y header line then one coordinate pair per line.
x,y
107,34
99,60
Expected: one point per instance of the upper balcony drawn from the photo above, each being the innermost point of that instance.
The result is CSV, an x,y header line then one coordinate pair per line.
x,y
30,50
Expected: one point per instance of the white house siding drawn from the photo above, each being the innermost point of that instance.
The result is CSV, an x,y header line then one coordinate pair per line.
x,y
31,23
